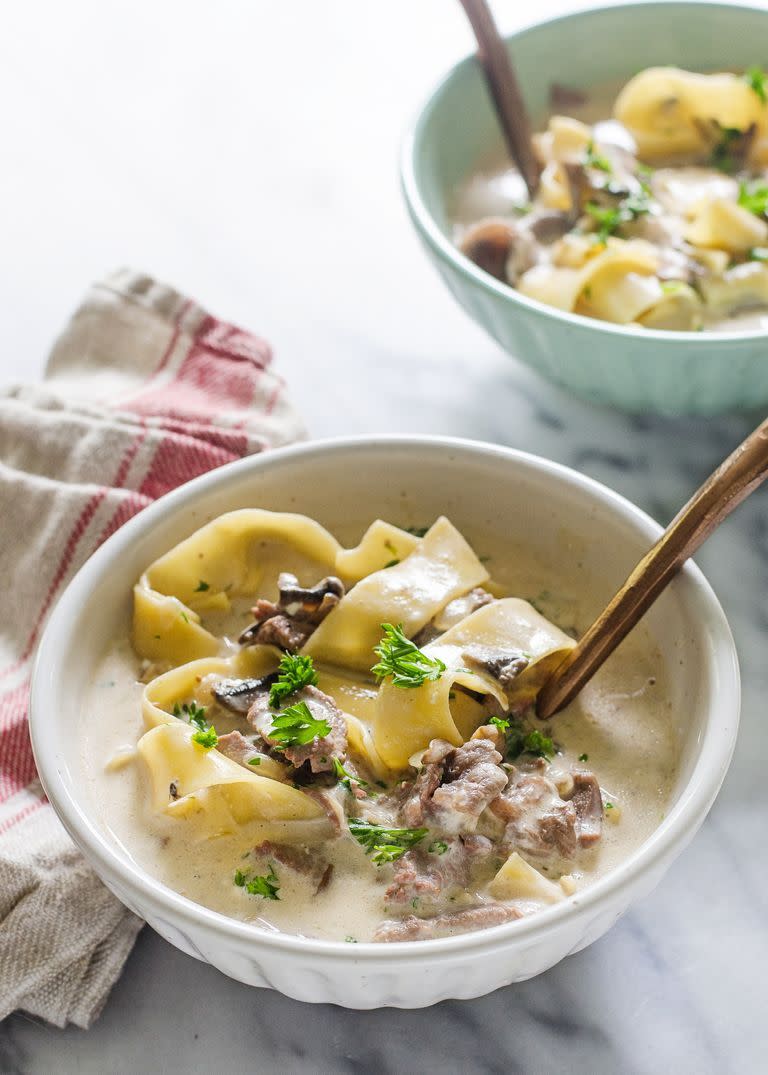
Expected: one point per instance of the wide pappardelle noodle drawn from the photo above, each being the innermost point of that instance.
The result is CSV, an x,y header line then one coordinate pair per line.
x,y
657,217
372,715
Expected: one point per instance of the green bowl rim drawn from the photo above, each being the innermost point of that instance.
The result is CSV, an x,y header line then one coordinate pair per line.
x,y
447,251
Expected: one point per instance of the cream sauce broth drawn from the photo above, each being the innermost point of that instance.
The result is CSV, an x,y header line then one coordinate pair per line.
x,y
622,727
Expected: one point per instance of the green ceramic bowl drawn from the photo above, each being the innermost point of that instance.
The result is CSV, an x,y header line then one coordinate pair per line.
x,y
632,369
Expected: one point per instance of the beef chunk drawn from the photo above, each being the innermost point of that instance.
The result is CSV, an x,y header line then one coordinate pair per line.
x,y
588,803
429,875
472,779
538,821
289,622
234,745
320,752
307,861
412,928
419,794
454,785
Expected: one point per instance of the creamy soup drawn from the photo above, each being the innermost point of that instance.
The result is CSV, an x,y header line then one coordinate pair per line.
x,y
340,742
652,208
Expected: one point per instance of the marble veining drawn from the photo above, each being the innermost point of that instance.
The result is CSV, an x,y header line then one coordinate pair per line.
x,y
305,239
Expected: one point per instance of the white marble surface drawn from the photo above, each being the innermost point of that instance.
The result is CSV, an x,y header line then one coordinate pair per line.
x,y
247,153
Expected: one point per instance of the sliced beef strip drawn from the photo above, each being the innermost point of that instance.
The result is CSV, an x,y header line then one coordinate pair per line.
x,y
419,793
472,779
321,751
412,928
234,745
289,622
537,821
430,876
588,803
307,861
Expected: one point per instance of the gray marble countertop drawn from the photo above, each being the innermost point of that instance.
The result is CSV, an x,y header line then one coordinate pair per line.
x,y
247,154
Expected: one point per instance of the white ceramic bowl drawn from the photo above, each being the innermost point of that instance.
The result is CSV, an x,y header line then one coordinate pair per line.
x,y
581,528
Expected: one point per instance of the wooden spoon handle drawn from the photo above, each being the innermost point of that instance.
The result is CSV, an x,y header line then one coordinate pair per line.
x,y
733,481
505,90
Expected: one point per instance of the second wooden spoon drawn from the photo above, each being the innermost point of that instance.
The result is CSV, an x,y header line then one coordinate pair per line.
x,y
741,473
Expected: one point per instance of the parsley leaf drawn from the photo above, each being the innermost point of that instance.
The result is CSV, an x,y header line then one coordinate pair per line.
x,y
583,757
417,531
754,197
722,151
519,741
758,253
295,727
294,673
404,661
391,563
206,737
267,887
439,847
191,712
757,80
202,586
344,776
384,845
610,218
592,159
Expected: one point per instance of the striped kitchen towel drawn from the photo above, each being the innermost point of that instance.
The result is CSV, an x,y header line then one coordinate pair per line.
x,y
143,391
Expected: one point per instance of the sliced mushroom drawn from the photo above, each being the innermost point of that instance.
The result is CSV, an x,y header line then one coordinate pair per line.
x,y
238,695
503,667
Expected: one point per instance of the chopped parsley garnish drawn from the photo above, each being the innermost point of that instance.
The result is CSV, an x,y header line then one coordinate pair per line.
x,y
294,673
722,151
185,617
754,197
295,727
757,80
439,847
519,741
758,253
206,733
418,531
583,757
610,218
267,887
255,761
202,586
191,712
344,776
206,738
384,845
609,806
592,159
391,563
405,662
351,940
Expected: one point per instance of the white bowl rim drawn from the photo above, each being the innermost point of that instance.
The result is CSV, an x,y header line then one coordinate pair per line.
x,y
714,749
448,251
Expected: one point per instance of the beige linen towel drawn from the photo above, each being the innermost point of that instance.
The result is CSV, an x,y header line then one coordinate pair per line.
x,y
143,391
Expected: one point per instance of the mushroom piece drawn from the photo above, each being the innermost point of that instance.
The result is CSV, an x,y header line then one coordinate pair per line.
x,y
503,667
238,695
500,247
299,609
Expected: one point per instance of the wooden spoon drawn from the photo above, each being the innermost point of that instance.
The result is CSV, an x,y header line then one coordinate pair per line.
x,y
505,91
741,473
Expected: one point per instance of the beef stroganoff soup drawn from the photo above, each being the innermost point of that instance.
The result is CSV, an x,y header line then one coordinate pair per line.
x,y
652,208
340,742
